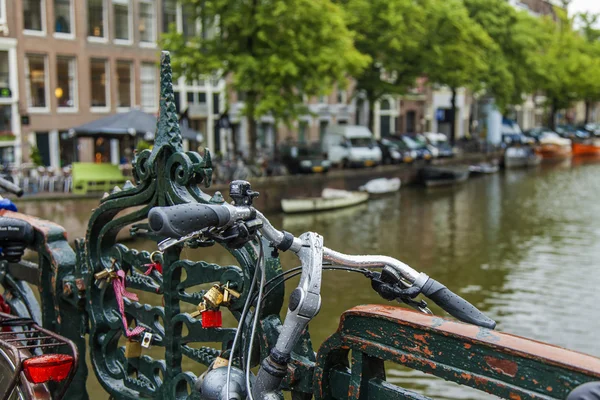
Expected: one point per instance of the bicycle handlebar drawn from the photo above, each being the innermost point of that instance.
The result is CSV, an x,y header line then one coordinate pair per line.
x,y
10,187
181,220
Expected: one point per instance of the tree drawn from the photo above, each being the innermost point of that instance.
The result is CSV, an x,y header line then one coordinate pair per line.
x,y
565,64
590,84
458,50
392,34
274,51
516,59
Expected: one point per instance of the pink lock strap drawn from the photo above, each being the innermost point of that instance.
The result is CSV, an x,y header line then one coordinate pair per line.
x,y
120,292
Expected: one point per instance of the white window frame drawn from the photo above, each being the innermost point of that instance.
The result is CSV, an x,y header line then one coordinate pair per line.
x,y
344,96
129,5
98,39
2,11
106,108
31,32
152,4
37,110
75,107
154,108
68,36
131,84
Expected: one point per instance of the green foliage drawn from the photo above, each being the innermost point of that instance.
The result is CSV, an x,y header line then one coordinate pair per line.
x,y
277,51
515,61
143,145
459,49
36,156
392,33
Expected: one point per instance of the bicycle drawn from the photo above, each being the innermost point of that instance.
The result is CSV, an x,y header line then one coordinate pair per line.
x,y
31,365
239,223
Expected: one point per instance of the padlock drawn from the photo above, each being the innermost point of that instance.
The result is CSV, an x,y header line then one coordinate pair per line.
x,y
220,362
213,297
133,349
212,319
199,310
147,340
229,294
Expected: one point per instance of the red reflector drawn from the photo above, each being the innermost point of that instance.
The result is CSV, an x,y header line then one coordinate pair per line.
x,y
49,367
212,319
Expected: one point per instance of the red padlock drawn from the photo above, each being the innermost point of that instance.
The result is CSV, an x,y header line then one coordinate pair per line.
x,y
212,319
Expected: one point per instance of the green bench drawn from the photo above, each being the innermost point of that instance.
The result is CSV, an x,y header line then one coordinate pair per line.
x,y
91,177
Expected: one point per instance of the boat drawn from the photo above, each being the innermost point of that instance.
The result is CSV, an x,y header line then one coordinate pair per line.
x,y
554,148
443,176
588,148
521,157
381,186
330,199
484,168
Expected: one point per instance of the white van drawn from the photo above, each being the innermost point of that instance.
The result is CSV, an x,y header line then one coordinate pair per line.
x,y
351,145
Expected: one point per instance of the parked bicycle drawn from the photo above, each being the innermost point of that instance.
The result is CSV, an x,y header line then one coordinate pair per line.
x,y
239,223
34,362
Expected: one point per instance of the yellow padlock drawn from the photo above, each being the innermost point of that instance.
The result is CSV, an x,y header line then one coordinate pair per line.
x,y
213,297
133,349
199,310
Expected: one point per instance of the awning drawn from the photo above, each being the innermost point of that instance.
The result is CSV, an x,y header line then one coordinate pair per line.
x,y
133,123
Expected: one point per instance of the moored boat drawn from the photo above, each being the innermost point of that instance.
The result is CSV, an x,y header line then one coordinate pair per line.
x,y
443,176
521,157
554,148
484,168
381,186
330,199
588,148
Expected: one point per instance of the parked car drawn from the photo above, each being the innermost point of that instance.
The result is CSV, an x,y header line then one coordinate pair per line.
x,y
420,150
571,132
393,153
304,158
538,132
512,134
440,141
351,146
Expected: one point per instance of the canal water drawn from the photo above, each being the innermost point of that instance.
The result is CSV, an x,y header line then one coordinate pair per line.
x,y
524,246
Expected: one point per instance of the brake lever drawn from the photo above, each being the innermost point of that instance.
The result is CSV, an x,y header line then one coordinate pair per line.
x,y
170,242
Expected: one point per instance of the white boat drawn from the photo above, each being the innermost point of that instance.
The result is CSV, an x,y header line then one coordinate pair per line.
x,y
484,168
521,157
330,199
381,186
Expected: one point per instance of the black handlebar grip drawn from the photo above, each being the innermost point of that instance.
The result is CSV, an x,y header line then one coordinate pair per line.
x,y
455,305
10,187
180,220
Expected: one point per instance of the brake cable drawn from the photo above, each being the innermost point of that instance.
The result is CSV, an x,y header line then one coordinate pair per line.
x,y
261,263
241,322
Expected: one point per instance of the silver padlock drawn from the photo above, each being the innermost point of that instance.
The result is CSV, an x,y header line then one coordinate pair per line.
x,y
147,340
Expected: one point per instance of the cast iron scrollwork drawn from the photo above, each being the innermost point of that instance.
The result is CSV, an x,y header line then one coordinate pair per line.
x,y
166,175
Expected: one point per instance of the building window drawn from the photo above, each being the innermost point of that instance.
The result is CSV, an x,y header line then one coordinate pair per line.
x,y
385,105
190,23
322,99
169,14
322,128
148,86
37,88
190,98
33,19
2,11
62,16
66,91
302,127
146,22
341,96
96,17
4,70
99,79
216,97
124,81
5,119
122,20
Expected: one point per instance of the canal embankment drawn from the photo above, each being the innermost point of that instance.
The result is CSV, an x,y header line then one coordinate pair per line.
x,y
274,188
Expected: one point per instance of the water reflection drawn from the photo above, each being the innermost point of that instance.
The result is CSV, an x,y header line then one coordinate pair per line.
x,y
522,245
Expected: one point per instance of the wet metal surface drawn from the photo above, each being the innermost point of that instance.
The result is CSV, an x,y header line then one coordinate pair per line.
x,y
523,245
